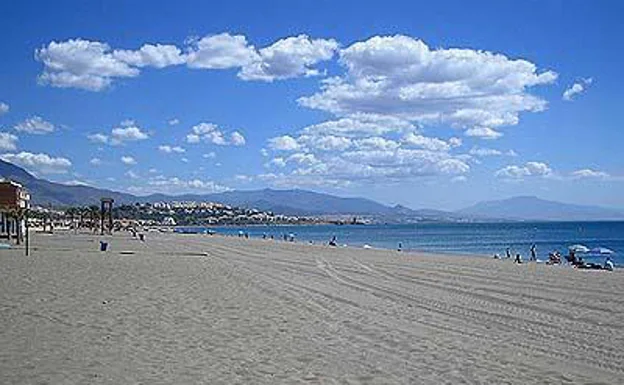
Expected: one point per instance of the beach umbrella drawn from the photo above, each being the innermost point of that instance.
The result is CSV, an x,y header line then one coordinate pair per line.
x,y
601,250
579,248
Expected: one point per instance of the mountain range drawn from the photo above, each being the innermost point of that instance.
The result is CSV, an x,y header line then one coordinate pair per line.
x,y
303,202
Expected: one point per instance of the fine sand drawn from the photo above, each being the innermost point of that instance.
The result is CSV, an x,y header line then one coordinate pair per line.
x,y
191,309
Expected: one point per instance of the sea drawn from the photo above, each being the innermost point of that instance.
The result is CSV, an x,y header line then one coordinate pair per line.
x,y
479,239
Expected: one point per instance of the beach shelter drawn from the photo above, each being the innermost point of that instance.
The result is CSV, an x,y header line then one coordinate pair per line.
x,y
601,251
579,248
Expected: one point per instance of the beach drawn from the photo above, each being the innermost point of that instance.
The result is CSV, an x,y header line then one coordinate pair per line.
x,y
199,309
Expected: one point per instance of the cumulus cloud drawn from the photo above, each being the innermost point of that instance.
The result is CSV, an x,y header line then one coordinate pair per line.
x,y
128,160
79,63
431,144
171,149
35,125
402,77
222,51
8,142
211,133
4,108
365,148
283,143
588,173
98,138
94,65
95,161
175,185
40,162
237,139
288,58
529,169
483,133
173,122
127,132
479,151
151,55
577,88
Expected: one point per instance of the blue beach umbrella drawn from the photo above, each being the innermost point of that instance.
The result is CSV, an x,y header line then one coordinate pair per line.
x,y
601,251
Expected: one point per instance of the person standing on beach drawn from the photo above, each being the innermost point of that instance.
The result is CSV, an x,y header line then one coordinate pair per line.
x,y
508,253
518,258
533,254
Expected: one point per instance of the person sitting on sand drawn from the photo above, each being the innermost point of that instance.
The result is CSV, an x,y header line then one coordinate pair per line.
x,y
333,241
608,265
518,258
571,258
554,258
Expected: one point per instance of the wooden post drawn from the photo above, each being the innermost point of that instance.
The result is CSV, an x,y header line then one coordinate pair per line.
x,y
26,249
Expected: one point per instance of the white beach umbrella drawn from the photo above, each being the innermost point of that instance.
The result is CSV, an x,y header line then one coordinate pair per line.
x,y
579,248
601,250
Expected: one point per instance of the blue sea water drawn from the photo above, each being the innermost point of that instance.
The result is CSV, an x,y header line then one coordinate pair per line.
x,y
461,238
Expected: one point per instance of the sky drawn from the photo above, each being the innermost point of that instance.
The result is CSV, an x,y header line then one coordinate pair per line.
x,y
426,104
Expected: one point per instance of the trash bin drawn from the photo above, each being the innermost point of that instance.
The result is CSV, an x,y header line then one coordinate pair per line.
x,y
103,246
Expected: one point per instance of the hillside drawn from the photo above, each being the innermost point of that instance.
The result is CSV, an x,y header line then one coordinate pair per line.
x,y
44,192
533,208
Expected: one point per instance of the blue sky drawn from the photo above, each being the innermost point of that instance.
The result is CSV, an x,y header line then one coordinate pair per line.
x,y
434,104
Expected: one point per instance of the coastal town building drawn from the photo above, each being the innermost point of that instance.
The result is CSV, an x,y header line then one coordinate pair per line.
x,y
14,203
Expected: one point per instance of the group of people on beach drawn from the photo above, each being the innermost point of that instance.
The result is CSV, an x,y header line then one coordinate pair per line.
x,y
554,258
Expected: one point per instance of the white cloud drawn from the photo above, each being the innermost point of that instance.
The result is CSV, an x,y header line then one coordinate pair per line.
x,y
94,65
4,108
479,151
278,162
588,173
171,149
431,144
402,77
173,122
131,174
98,138
483,133
175,185
127,134
79,63
283,143
377,143
40,162
8,142
288,58
95,161
237,139
151,55
360,124
210,155
128,160
220,51
211,133
35,125
576,89
529,169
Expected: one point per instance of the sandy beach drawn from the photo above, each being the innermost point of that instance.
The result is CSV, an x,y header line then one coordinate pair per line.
x,y
191,309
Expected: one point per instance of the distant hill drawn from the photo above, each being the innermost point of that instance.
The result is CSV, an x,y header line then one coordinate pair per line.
x,y
533,208
44,192
303,202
